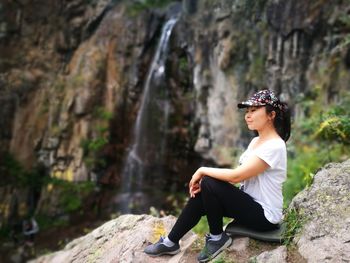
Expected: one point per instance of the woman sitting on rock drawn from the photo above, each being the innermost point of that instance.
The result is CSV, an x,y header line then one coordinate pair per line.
x,y
257,204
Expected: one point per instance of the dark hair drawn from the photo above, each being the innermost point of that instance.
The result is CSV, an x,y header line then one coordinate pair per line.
x,y
282,120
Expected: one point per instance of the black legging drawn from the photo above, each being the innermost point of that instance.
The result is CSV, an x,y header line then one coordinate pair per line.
x,y
216,200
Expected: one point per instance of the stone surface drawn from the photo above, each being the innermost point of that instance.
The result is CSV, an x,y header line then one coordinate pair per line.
x,y
278,255
324,236
325,209
120,240
239,244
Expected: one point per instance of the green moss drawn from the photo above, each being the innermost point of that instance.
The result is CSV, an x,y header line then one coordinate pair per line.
x,y
95,255
91,148
101,114
55,130
256,72
59,85
183,64
99,138
253,260
94,145
223,258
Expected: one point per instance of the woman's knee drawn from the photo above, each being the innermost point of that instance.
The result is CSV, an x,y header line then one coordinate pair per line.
x,y
208,182
213,184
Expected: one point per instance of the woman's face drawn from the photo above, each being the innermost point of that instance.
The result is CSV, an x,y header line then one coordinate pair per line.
x,y
257,118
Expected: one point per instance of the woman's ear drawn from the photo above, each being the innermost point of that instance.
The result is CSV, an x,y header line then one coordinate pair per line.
x,y
272,115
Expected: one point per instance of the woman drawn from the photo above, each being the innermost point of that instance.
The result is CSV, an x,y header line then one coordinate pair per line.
x,y
262,170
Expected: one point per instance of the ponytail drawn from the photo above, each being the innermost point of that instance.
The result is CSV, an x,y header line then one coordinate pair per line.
x,y
282,121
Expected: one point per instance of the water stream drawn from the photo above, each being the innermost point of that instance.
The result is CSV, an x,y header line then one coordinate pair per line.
x,y
149,135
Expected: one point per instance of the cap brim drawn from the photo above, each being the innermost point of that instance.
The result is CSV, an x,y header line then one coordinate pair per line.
x,y
242,105
246,104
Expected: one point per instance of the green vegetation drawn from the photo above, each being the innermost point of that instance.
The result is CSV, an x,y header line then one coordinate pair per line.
x,y
46,222
321,137
71,193
202,227
223,258
96,144
101,114
14,174
92,146
294,223
17,176
335,124
323,134
256,72
183,64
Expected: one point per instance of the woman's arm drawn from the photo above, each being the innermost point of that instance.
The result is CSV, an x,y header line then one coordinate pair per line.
x,y
252,167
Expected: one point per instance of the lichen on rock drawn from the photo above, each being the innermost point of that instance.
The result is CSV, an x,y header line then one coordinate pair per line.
x,y
325,209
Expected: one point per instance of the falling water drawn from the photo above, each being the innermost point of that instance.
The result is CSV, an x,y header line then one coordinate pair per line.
x,y
149,140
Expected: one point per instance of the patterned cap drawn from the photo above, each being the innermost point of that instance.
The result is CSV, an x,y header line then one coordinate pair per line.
x,y
262,98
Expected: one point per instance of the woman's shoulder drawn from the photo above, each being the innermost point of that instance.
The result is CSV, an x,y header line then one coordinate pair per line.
x,y
252,142
275,143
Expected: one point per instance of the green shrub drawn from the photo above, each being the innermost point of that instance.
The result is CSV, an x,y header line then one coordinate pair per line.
x,y
335,124
72,193
14,174
99,138
320,138
335,128
46,222
301,170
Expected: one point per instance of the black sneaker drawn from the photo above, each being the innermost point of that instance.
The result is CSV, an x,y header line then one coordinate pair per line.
x,y
213,248
159,248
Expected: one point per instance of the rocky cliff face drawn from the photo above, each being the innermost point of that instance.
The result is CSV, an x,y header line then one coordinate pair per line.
x,y
72,74
323,237
71,95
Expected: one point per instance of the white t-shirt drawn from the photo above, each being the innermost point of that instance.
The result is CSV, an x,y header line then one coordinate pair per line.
x,y
266,188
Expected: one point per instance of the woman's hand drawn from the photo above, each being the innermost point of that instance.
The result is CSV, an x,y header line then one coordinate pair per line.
x,y
194,185
195,189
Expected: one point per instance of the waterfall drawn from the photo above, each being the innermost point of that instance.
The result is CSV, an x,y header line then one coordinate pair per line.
x,y
149,140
